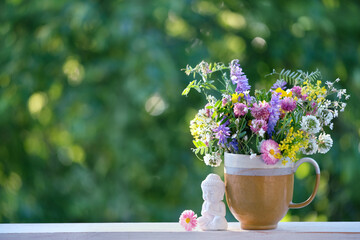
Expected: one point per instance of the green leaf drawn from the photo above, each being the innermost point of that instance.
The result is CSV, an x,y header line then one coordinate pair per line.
x,y
186,91
218,104
242,134
201,144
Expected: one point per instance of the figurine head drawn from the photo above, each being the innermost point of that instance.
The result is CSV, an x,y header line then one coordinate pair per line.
x,y
213,188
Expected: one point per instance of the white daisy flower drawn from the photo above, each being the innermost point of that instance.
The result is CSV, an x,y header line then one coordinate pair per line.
x,y
324,143
310,124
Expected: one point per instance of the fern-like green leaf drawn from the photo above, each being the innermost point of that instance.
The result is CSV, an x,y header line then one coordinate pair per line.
x,y
289,76
296,77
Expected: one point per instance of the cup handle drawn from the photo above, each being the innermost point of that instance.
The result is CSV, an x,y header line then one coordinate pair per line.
x,y
317,170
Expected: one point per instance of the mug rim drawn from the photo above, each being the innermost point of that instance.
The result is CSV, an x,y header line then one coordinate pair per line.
x,y
242,164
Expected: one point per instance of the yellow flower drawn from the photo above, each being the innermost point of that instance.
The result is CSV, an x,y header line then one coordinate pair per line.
x,y
235,97
314,91
287,93
292,144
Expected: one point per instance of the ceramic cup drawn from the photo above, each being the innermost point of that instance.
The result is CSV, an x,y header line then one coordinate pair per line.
x,y
259,195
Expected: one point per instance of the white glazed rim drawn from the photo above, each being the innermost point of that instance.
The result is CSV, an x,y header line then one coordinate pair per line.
x,y
240,164
244,161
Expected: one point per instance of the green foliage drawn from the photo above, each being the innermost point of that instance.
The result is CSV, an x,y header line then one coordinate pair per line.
x,y
296,77
93,127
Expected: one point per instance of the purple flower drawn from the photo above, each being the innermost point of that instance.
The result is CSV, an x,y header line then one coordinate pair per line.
x,y
222,133
238,77
249,99
274,113
288,104
233,145
260,110
240,109
279,84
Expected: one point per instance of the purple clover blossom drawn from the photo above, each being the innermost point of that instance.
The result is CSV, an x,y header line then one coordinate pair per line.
x,y
260,110
240,109
257,125
288,104
274,113
222,133
280,83
238,77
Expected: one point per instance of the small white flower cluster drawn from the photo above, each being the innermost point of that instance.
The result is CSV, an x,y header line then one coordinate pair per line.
x,y
325,116
201,127
321,145
213,159
312,125
340,93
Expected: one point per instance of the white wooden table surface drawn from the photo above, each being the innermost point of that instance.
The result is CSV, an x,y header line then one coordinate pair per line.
x,y
107,231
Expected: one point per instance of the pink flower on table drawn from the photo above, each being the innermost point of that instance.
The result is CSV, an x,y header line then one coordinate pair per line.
x,y
288,104
259,126
240,109
261,110
270,152
188,219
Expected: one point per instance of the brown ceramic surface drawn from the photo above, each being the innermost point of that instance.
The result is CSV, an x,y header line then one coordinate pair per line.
x,y
259,202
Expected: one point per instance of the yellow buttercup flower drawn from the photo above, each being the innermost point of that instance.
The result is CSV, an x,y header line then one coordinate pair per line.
x,y
287,93
235,97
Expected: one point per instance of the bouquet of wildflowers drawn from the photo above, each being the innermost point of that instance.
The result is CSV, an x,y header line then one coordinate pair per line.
x,y
291,117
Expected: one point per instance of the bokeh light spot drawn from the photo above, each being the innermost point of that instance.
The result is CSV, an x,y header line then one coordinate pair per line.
x,y
231,20
303,171
74,71
76,154
205,8
36,102
155,105
258,43
178,27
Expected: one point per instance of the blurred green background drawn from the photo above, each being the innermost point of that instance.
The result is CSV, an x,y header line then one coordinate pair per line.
x,y
93,127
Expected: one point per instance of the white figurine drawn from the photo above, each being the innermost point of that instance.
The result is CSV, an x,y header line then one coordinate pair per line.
x,y
213,209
